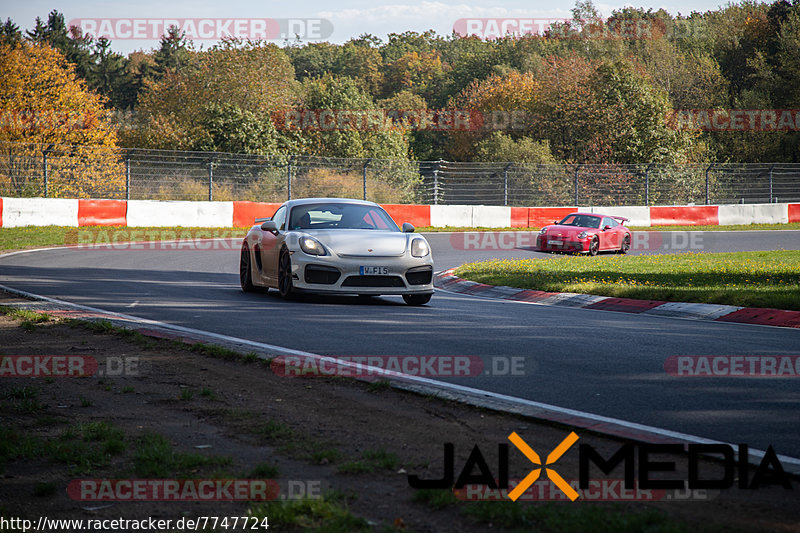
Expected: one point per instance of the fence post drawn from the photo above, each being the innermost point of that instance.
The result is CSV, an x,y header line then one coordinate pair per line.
x,y
707,171
436,183
289,177
45,169
505,183
647,184
364,171
210,180
771,168
128,176
576,183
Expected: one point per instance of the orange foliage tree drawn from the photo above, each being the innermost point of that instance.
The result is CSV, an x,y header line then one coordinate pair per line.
x,y
249,76
46,107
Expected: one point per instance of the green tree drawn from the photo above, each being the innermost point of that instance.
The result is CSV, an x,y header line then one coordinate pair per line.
x,y
228,128
350,140
10,32
71,42
249,76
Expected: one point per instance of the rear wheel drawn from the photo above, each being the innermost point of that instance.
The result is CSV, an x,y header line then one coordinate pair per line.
x,y
417,299
594,246
285,285
245,272
626,245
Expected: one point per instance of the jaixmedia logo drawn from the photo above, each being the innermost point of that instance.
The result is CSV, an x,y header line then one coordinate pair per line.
x,y
646,466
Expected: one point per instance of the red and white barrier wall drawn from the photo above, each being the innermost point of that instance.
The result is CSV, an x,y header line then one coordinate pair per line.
x,y
15,212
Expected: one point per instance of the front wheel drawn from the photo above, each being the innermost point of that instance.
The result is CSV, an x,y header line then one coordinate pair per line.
x,y
417,299
245,272
594,246
626,245
285,285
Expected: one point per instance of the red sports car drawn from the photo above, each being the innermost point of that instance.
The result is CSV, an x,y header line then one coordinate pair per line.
x,y
585,233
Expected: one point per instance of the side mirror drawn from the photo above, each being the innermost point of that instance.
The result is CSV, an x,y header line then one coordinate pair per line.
x,y
555,222
269,226
408,228
606,227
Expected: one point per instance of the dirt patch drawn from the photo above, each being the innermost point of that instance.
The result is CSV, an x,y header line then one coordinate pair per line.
x,y
351,441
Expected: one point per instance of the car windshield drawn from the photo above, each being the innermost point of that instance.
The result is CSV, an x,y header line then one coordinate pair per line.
x,y
340,216
583,221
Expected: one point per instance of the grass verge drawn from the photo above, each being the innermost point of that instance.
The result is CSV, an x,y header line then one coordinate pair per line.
x,y
748,279
737,227
326,514
43,236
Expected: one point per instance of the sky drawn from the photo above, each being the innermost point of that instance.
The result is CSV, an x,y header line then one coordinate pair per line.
x,y
136,24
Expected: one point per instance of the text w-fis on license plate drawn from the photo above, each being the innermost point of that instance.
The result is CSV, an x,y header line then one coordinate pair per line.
x,y
373,270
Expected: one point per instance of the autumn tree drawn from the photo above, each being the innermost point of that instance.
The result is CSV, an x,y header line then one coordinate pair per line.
x,y
45,104
252,77
354,138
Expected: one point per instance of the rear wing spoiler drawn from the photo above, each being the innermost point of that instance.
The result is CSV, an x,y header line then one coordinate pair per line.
x,y
622,220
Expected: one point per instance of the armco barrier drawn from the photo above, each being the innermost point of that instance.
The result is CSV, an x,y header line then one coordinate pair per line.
x,y
418,215
102,213
16,212
39,212
542,216
142,213
491,216
744,213
451,215
245,213
793,212
692,215
638,216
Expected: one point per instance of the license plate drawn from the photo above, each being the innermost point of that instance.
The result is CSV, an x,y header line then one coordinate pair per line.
x,y
553,242
373,271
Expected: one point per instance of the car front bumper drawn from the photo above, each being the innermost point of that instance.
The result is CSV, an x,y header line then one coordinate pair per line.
x,y
545,244
344,275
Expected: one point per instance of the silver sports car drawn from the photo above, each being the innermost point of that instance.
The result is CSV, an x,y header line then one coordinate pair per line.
x,y
335,245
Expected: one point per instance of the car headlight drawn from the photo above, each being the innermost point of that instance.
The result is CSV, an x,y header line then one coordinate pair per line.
x,y
312,246
543,230
582,234
420,248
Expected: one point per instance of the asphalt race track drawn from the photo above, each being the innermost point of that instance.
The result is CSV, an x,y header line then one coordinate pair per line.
x,y
600,362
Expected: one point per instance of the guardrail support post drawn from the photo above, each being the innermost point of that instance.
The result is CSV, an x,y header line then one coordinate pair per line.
x,y
289,178
707,171
771,168
647,184
128,176
45,168
576,183
364,170
505,183
211,180
436,183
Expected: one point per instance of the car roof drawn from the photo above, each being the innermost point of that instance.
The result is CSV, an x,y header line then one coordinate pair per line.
x,y
306,201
